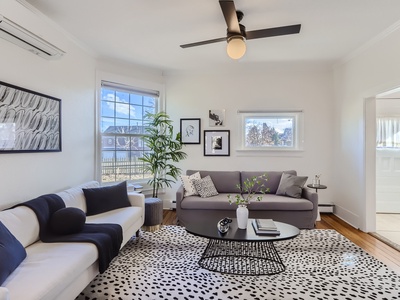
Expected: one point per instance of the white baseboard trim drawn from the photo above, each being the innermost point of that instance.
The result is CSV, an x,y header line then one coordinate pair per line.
x,y
347,216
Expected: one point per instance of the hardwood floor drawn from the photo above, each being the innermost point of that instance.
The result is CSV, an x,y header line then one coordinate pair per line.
x,y
371,245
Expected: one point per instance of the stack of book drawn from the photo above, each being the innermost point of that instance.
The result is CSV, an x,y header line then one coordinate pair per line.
x,y
265,227
137,188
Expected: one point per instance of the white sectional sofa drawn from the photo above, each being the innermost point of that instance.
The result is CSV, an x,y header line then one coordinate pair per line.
x,y
61,270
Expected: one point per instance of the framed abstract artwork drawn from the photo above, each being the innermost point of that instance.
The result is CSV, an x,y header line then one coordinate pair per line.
x,y
29,121
190,131
216,117
216,143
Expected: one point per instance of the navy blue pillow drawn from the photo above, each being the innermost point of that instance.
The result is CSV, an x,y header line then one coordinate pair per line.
x,y
67,220
99,200
12,253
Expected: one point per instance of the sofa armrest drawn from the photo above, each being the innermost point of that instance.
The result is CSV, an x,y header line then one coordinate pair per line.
x,y
310,195
4,294
179,196
136,199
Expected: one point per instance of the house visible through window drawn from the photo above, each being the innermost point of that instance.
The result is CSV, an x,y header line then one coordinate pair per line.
x,y
122,126
271,130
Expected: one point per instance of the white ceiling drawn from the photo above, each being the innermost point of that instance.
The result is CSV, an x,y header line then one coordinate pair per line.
x,y
149,32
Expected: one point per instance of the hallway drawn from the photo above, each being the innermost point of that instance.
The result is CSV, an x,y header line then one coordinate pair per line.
x,y
388,228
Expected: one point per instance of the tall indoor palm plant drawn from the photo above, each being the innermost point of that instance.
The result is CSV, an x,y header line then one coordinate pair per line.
x,y
166,149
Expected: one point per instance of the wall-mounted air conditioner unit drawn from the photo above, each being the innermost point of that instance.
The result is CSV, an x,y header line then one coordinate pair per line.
x,y
22,37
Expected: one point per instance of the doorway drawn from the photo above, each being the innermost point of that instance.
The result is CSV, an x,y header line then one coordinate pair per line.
x,y
388,168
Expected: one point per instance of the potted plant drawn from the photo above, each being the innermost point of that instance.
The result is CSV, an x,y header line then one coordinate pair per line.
x,y
248,192
166,149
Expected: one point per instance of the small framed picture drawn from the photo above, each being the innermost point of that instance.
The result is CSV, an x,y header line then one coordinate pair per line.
x,y
190,131
216,143
216,117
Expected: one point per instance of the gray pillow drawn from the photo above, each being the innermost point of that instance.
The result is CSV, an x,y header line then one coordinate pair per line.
x,y
205,187
291,185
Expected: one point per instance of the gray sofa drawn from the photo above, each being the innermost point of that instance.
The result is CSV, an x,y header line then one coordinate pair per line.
x,y
300,212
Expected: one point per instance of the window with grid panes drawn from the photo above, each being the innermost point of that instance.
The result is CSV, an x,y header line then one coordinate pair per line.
x,y
122,126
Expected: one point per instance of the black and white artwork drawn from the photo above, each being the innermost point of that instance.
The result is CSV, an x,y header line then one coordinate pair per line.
x,y
216,117
216,143
29,121
190,131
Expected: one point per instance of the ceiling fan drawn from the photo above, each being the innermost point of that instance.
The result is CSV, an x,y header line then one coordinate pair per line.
x,y
237,34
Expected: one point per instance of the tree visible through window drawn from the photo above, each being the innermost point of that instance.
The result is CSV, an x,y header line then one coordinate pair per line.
x,y
271,131
122,126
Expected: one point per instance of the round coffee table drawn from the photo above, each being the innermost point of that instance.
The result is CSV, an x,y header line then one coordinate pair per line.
x,y
241,251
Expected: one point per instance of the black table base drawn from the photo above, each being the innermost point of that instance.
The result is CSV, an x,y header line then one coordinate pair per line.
x,y
241,258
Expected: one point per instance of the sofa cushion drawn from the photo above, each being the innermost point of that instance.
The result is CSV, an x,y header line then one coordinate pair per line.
x,y
224,181
291,185
74,197
67,220
188,185
12,253
22,222
205,187
102,199
50,268
273,178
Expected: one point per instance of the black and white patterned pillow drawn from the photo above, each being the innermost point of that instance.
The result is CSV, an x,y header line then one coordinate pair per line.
x,y
205,187
188,185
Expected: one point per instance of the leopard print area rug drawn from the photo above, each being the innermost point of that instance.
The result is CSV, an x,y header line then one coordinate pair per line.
x,y
320,264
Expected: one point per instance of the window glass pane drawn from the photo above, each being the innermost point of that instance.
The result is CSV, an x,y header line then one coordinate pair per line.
x,y
137,112
107,109
107,143
136,99
107,94
149,101
107,125
122,110
122,97
123,124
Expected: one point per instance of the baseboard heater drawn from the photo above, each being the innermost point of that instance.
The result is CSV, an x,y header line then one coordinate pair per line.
x,y
326,207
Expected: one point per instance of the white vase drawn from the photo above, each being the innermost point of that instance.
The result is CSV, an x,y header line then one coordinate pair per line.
x,y
242,215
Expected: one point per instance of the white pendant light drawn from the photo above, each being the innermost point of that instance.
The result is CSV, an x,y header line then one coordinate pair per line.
x,y
236,47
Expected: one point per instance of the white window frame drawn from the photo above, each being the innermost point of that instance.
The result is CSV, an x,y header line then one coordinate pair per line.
x,y
298,130
135,84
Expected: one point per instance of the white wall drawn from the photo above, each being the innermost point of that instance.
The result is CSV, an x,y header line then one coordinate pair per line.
x,y
72,78
373,71
268,87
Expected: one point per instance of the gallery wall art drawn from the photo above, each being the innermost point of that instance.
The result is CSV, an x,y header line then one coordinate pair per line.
x,y
216,142
29,121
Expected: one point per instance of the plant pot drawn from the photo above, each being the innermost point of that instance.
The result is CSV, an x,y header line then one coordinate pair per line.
x,y
242,215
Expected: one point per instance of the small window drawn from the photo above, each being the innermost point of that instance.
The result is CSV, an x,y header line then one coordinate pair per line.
x,y
265,131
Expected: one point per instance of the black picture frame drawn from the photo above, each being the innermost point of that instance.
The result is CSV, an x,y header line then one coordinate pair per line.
x,y
216,142
29,121
190,130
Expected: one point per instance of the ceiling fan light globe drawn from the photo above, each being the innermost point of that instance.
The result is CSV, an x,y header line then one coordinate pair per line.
x,y
236,47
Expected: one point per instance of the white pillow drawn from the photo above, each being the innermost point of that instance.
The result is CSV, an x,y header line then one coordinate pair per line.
x,y
187,182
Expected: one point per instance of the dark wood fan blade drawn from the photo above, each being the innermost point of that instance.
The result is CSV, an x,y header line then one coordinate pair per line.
x,y
204,42
276,31
229,11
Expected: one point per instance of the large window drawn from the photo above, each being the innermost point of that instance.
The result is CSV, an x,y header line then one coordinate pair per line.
x,y
271,130
122,125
